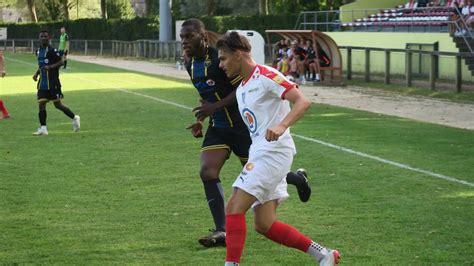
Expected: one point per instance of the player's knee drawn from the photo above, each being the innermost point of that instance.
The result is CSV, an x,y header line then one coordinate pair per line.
x,y
207,173
261,227
58,105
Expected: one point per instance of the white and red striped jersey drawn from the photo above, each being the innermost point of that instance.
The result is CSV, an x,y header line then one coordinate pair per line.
x,y
262,105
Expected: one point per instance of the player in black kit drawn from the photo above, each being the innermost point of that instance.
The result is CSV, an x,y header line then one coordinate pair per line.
x,y
226,131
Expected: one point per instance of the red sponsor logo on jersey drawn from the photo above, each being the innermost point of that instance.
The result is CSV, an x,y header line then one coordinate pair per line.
x,y
250,120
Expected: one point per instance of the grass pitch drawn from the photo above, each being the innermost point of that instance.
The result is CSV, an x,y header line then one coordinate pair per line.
x,y
125,189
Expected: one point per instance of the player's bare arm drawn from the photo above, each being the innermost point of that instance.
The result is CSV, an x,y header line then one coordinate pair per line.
x,y
196,129
53,66
207,109
35,76
301,104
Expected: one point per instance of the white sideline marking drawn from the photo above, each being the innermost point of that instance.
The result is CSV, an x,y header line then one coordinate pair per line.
x,y
350,151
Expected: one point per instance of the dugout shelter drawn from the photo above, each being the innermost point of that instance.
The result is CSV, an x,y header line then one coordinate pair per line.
x,y
332,73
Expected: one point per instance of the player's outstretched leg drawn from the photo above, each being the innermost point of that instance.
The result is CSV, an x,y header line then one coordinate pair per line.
x,y
289,236
76,120
300,180
4,110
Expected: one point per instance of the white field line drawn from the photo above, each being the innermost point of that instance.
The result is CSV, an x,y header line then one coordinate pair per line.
x,y
347,150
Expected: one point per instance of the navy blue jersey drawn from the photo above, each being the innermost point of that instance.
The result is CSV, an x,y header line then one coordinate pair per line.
x,y
213,85
48,78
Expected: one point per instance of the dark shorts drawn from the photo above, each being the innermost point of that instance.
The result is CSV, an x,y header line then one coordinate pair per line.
x,y
50,95
324,63
236,140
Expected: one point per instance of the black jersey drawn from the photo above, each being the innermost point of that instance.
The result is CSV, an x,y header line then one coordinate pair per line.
x,y
213,85
48,78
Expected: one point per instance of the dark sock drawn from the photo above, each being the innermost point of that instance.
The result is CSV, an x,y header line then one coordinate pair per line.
x,y
65,63
215,199
42,117
66,111
293,178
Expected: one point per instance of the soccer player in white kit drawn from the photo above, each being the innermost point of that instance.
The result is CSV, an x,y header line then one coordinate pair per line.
x,y
263,99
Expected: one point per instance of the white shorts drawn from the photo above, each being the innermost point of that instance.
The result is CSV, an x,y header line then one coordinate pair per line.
x,y
264,176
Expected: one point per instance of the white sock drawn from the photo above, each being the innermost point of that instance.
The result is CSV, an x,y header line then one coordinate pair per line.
x,y
43,127
317,251
317,76
230,263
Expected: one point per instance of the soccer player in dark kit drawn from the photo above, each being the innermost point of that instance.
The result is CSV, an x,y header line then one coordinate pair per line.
x,y
226,131
49,86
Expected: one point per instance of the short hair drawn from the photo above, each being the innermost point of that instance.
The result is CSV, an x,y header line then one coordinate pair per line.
x,y
195,23
46,31
234,41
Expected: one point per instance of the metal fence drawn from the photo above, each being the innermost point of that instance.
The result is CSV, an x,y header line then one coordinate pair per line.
x,y
401,62
140,48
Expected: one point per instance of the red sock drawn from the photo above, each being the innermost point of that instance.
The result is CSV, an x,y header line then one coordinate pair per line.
x,y
3,109
287,235
235,230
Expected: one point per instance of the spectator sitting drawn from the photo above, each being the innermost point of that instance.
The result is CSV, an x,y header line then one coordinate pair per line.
x,y
283,65
323,59
311,63
279,51
470,15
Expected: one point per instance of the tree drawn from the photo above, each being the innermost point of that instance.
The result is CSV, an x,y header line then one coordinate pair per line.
x,y
52,10
151,8
263,7
103,9
65,6
120,9
32,9
211,7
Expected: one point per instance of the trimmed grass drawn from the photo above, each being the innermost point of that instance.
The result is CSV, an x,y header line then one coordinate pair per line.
x,y
125,189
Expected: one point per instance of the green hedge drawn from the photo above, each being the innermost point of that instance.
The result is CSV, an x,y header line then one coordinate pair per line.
x,y
90,29
144,28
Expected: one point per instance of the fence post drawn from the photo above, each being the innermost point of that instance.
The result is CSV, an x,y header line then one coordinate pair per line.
x,y
367,65
13,46
32,46
408,67
349,63
85,47
458,74
138,48
101,47
387,67
433,72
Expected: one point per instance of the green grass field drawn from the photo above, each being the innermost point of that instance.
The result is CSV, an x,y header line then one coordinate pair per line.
x,y
125,189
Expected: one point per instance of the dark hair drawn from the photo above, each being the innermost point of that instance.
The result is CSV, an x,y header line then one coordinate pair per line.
x,y
234,41
195,23
41,31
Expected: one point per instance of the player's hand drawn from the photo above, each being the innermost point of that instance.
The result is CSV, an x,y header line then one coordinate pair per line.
x,y
35,77
196,129
45,68
206,109
3,74
274,133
